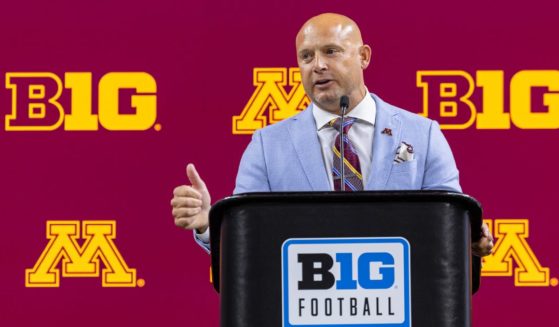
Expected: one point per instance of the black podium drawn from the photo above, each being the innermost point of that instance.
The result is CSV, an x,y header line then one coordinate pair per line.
x,y
345,259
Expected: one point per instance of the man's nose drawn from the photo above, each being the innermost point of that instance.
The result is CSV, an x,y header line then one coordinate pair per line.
x,y
319,64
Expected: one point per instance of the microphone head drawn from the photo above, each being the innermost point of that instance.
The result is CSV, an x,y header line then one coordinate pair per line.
x,y
344,101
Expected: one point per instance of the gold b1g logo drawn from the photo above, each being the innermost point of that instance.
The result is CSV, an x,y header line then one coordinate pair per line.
x,y
36,104
452,98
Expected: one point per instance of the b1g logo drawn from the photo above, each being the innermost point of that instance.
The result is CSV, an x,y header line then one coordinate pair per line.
x,y
346,282
37,102
449,97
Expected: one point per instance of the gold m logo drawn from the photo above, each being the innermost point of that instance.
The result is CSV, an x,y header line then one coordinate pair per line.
x,y
270,95
512,244
81,261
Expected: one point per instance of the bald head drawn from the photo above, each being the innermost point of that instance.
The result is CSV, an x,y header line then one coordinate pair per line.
x,y
342,25
331,56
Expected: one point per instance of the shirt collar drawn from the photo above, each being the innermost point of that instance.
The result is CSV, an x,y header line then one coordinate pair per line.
x,y
365,112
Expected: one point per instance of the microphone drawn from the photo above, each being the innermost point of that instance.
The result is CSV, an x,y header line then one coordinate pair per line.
x,y
344,104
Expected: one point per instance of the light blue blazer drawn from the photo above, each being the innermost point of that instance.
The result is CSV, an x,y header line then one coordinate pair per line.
x,y
287,156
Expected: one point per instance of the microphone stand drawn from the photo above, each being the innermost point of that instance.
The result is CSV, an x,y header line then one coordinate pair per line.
x,y
344,103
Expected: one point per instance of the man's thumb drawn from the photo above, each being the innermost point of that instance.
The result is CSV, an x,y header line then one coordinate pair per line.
x,y
193,177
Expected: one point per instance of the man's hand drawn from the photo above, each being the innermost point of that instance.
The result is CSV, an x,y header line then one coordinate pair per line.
x,y
484,246
191,203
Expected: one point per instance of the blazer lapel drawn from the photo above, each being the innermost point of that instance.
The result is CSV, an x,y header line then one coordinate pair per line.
x,y
309,152
384,145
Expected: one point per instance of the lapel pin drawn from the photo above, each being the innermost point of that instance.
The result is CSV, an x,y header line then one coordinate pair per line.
x,y
387,131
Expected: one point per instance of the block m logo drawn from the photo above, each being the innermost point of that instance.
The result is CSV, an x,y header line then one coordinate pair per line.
x,y
271,96
80,261
512,244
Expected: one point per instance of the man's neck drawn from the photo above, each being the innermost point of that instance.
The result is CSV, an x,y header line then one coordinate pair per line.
x,y
355,101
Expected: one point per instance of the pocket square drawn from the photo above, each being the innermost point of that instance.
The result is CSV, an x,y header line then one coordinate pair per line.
x,y
404,153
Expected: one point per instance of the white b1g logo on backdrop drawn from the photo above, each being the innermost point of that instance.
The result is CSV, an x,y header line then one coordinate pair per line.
x,y
346,281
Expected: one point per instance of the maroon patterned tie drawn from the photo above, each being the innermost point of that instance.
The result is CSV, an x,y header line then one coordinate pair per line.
x,y
352,170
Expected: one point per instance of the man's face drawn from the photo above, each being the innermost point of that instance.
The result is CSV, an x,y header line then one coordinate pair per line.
x,y
331,60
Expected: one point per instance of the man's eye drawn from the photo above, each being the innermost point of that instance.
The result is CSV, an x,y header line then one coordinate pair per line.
x,y
331,51
306,56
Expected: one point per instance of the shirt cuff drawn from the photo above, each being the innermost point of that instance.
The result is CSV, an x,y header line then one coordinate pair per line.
x,y
203,239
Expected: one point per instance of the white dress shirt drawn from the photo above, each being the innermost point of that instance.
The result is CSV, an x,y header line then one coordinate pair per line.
x,y
360,134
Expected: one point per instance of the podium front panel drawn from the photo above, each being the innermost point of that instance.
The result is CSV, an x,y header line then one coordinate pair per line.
x,y
253,230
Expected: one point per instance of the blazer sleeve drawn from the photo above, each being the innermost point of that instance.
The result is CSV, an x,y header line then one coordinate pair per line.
x,y
440,168
253,173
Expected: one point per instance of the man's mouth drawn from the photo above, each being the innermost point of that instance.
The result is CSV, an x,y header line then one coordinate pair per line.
x,y
322,82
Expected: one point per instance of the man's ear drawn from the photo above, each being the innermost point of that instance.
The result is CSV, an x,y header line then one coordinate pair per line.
x,y
365,56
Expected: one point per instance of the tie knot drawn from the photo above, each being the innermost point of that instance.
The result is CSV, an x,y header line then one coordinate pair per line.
x,y
348,122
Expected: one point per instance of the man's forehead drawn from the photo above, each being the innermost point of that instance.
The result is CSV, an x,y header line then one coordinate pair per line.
x,y
328,31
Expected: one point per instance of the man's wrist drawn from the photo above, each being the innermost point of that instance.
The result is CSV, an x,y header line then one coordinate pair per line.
x,y
201,230
203,237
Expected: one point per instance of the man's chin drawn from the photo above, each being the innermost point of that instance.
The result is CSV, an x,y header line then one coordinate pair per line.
x,y
328,101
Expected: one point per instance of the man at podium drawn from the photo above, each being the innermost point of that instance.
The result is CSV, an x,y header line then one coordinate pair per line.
x,y
384,147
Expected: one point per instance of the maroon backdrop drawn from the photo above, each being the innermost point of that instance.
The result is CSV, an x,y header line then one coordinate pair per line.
x,y
202,56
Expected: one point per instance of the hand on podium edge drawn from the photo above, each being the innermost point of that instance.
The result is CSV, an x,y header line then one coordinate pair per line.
x,y
191,203
484,246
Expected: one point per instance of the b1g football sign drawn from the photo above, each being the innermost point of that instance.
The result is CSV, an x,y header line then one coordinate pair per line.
x,y
346,282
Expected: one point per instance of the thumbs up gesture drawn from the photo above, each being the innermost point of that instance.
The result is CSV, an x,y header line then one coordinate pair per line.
x,y
191,203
